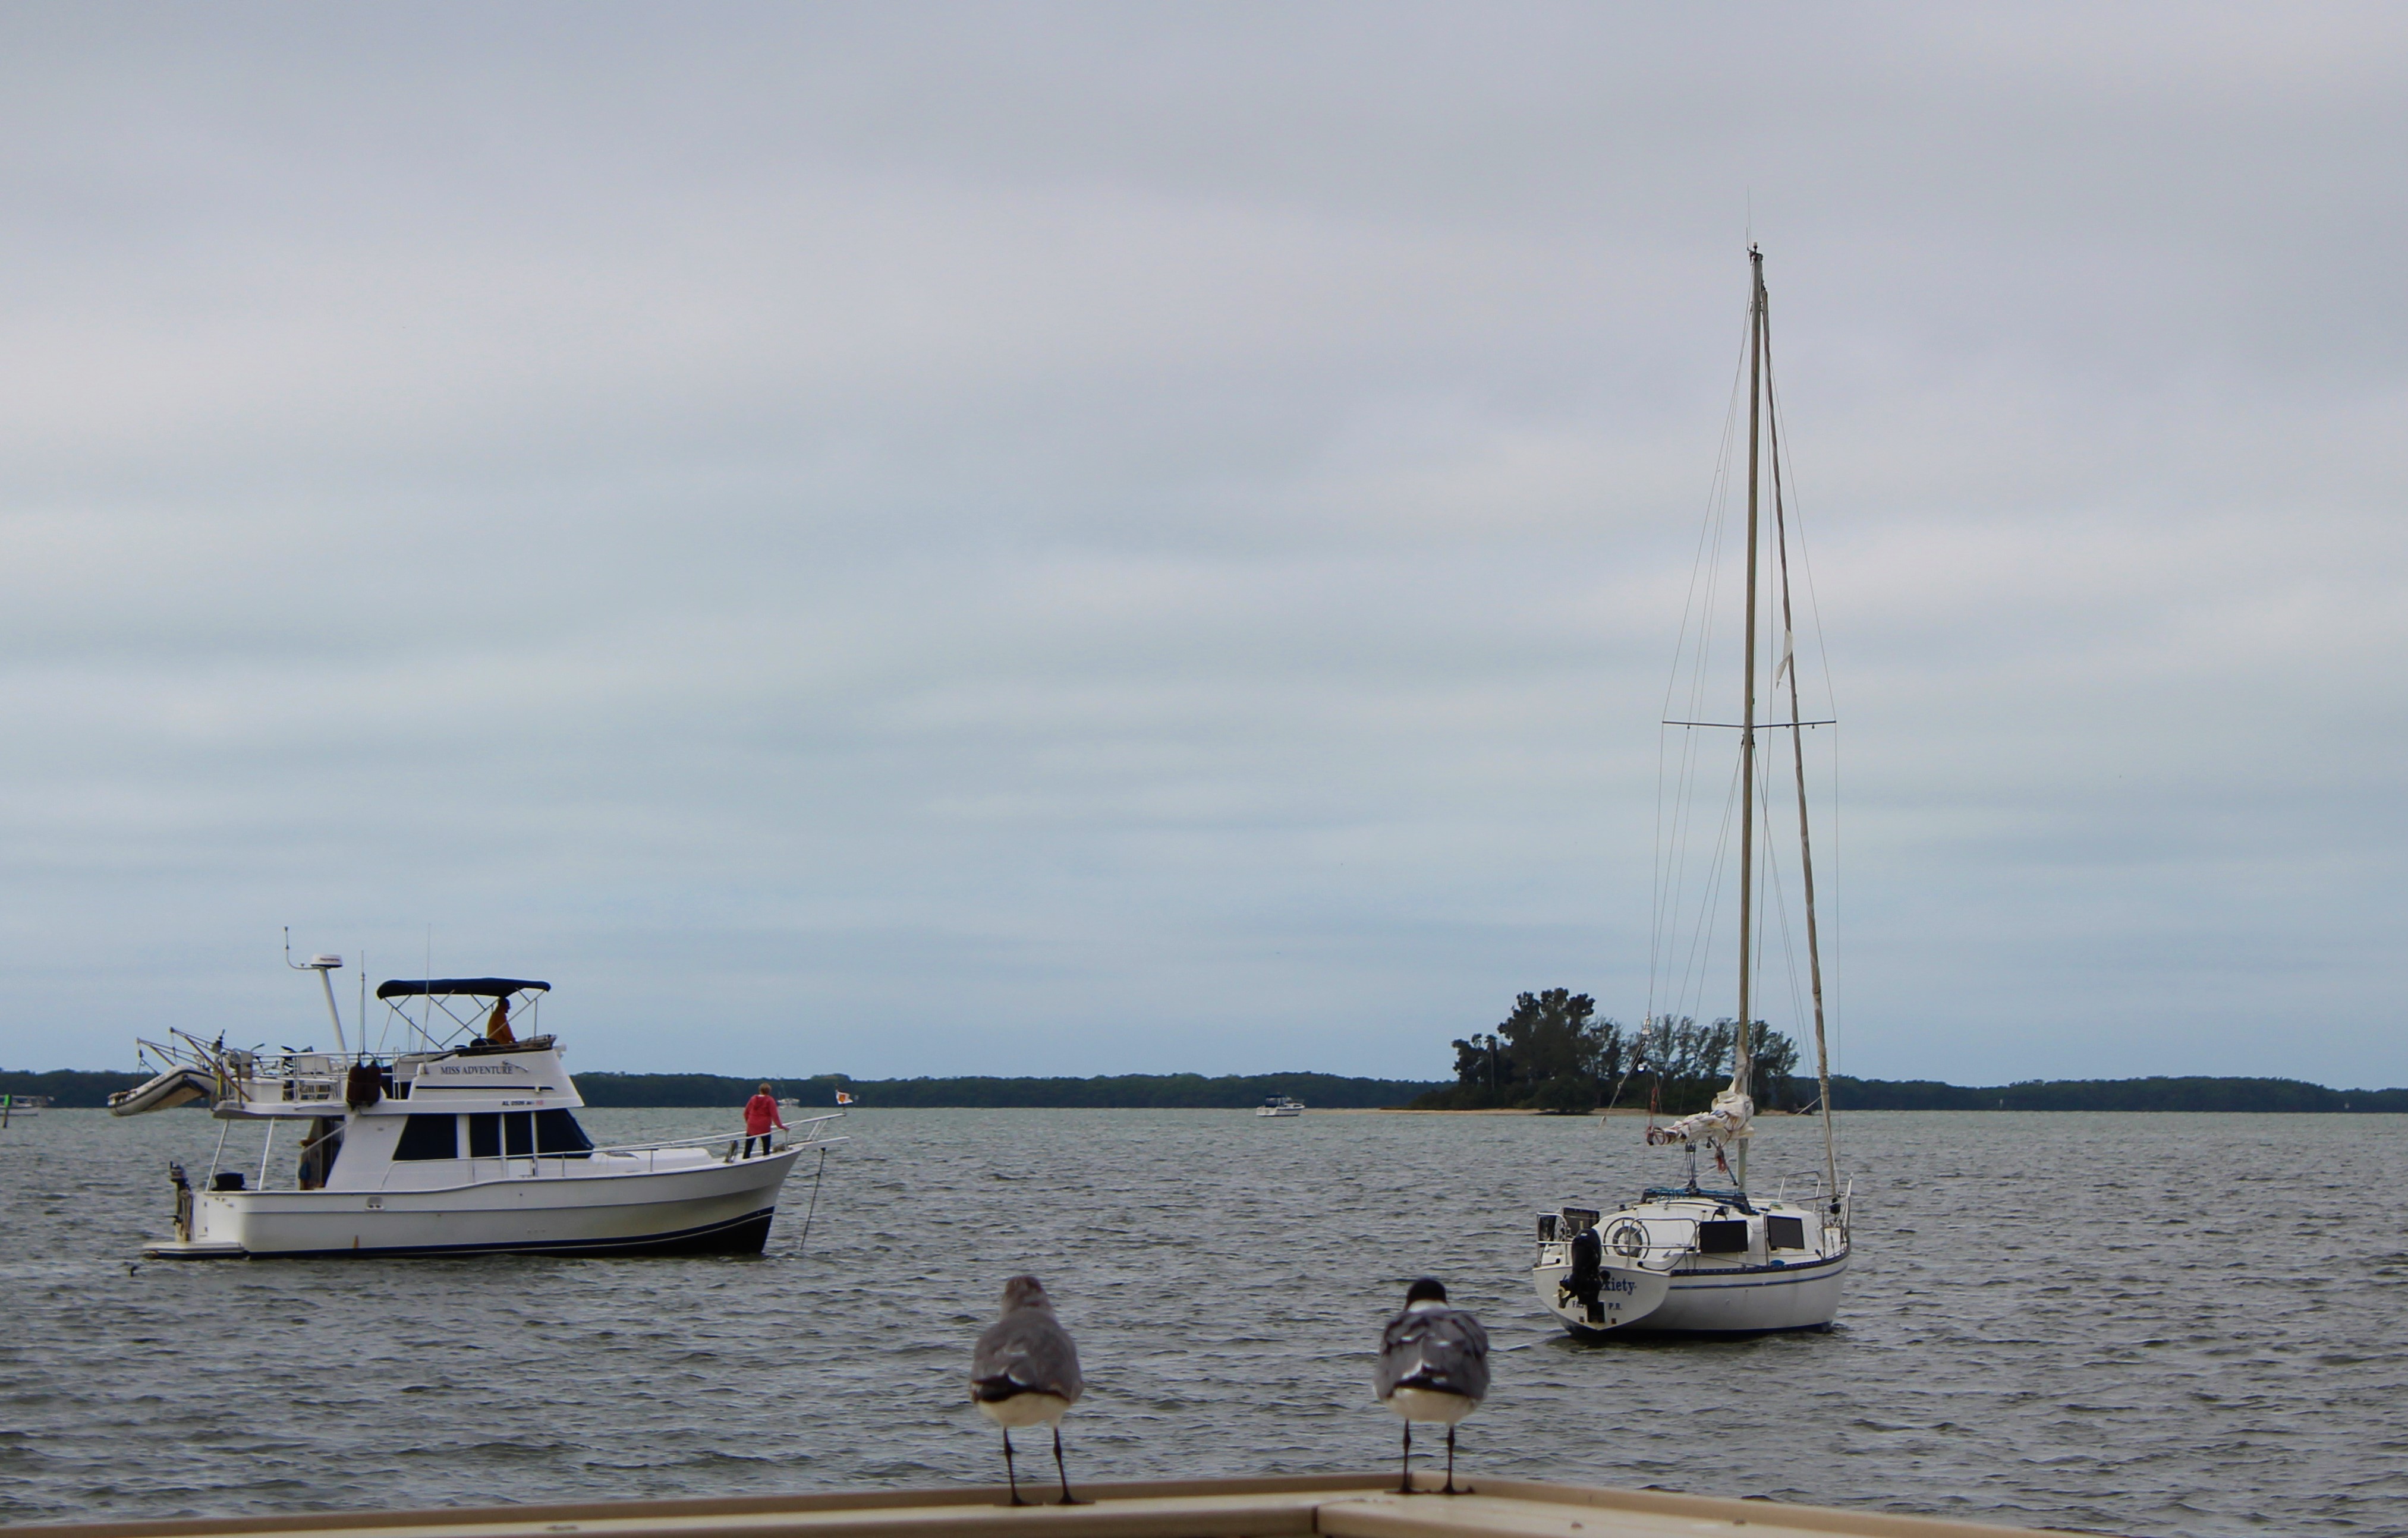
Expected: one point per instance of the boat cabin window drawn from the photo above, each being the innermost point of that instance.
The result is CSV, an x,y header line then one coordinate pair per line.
x,y
1785,1233
429,1137
557,1132
492,1134
1727,1238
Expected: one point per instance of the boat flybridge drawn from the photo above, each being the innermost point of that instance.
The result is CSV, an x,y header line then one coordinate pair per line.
x,y
466,1142
1689,1258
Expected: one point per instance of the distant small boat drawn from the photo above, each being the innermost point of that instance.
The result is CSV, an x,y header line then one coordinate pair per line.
x,y
1280,1105
21,1105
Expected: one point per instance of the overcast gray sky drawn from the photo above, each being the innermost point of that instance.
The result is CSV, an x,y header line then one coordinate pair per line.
x,y
916,539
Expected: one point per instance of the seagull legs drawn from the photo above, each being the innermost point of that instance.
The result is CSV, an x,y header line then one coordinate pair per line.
x,y
1450,1461
1405,1479
1064,1475
1008,1470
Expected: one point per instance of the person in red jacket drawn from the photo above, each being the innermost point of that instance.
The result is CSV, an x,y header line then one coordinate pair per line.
x,y
760,1115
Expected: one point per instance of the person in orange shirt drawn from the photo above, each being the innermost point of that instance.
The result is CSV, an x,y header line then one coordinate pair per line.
x,y
760,1115
498,1024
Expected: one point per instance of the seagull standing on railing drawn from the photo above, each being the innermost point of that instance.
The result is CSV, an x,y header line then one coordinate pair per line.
x,y
1433,1366
1026,1372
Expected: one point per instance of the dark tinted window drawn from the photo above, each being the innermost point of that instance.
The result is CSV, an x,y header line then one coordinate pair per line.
x,y
485,1135
1728,1237
430,1137
557,1132
518,1134
1785,1233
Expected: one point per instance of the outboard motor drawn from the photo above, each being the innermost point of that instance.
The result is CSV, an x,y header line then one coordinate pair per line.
x,y
1587,1277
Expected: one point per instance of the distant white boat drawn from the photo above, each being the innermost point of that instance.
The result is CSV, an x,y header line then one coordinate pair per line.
x,y
1280,1105
12,1106
469,1145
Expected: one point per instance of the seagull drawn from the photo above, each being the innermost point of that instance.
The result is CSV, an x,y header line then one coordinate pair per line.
x,y
1433,1366
1026,1372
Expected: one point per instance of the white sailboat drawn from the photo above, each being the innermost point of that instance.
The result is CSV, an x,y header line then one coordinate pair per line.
x,y
1725,1260
467,1144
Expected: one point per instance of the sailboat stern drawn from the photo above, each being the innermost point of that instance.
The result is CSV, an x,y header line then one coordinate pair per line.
x,y
1590,1289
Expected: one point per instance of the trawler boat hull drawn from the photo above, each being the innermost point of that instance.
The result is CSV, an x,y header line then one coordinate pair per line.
x,y
718,1209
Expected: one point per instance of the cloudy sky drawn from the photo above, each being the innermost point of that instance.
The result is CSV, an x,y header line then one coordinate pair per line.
x,y
915,539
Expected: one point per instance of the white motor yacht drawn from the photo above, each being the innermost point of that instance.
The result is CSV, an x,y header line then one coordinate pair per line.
x,y
468,1145
1280,1105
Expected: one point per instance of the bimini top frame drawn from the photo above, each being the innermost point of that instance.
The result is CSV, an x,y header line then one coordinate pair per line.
x,y
467,987
395,991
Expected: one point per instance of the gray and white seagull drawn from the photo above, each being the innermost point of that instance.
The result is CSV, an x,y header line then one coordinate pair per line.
x,y
1433,1366
1026,1372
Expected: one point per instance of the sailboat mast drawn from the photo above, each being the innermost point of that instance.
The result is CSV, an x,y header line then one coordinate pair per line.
x,y
1798,757
1741,1057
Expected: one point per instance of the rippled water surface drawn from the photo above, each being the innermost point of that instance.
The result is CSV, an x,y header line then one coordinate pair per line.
x,y
2163,1324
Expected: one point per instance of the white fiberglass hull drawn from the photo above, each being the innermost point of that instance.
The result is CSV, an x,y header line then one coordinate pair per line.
x,y
1750,1300
1694,1262
715,1208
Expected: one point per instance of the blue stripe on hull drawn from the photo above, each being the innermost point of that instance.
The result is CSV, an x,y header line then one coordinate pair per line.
x,y
744,1236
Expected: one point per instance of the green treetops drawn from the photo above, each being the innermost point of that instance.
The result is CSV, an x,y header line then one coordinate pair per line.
x,y
1554,1053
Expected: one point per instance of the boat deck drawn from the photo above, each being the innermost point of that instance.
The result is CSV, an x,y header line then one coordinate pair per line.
x,y
1335,1505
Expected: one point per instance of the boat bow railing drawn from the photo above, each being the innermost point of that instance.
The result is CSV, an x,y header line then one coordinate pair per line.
x,y
811,1128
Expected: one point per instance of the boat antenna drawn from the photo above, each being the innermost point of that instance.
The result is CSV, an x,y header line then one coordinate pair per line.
x,y
1797,757
322,966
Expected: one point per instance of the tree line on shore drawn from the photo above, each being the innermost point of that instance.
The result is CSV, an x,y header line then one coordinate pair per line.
x,y
76,1089
1554,1053
1119,1091
73,1089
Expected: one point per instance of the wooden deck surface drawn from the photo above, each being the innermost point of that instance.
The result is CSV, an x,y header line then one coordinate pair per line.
x,y
1314,1507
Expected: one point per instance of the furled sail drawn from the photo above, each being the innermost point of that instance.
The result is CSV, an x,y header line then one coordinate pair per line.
x,y
1724,1123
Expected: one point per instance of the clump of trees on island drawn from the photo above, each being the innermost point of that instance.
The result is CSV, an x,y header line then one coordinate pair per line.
x,y
1554,1053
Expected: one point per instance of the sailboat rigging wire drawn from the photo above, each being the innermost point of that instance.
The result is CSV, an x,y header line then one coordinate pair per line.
x,y
1797,757
1830,881
1779,897
1695,644
1692,985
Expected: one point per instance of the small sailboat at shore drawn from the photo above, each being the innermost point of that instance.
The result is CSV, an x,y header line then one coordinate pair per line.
x,y
467,1143
1725,1260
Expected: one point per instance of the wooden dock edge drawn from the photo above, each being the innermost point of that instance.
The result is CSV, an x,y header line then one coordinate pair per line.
x,y
1346,1506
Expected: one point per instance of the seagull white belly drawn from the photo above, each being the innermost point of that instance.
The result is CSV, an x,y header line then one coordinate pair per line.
x,y
1427,1405
1025,1410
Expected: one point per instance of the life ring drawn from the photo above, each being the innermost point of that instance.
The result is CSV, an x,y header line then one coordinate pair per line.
x,y
1627,1239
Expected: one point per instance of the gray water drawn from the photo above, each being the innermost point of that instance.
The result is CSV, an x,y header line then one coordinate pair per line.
x,y
2167,1324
